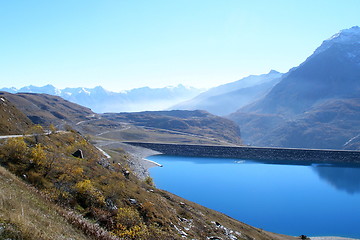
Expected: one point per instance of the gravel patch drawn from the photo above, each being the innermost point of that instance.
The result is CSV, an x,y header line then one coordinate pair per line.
x,y
137,157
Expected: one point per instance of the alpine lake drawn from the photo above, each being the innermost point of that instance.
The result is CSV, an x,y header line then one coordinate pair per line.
x,y
314,200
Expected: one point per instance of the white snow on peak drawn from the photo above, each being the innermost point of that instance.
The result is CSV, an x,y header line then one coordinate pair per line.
x,y
57,92
346,36
84,90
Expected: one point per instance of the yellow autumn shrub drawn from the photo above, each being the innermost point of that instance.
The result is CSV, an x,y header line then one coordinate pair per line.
x,y
14,150
38,155
89,193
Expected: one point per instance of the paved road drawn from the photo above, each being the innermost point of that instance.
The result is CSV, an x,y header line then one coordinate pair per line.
x,y
13,136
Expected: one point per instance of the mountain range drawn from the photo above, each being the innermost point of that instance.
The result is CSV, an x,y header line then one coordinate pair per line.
x,y
101,100
315,105
228,98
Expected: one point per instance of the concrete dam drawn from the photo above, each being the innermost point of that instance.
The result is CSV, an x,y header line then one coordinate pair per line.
x,y
263,154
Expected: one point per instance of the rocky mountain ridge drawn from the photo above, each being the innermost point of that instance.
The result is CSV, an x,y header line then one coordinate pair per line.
x,y
299,111
228,98
101,100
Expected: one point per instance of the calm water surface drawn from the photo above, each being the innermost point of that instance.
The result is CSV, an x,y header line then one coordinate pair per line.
x,y
316,200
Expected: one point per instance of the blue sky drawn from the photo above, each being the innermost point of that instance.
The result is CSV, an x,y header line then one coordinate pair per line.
x,y
124,44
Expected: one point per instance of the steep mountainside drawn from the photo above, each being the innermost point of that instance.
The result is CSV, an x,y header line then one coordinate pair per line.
x,y
101,100
333,125
12,121
314,104
47,109
23,211
228,98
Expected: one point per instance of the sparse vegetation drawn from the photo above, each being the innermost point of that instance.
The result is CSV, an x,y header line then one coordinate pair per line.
x,y
189,124
99,196
148,180
82,184
24,214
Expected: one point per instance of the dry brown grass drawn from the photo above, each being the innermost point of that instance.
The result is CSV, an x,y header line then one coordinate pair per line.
x,y
158,135
33,216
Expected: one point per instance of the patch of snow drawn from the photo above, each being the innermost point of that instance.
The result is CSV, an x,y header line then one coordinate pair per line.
x,y
346,36
181,232
2,99
103,152
84,90
351,139
57,91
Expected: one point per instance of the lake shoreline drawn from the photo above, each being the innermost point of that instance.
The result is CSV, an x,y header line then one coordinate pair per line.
x,y
184,176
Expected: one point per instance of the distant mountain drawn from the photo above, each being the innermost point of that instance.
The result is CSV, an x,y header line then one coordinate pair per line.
x,y
228,98
315,105
101,100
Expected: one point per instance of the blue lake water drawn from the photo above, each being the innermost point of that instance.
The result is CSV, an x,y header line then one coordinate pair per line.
x,y
316,200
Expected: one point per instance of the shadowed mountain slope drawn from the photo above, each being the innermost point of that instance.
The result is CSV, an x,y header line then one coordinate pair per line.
x,y
12,121
314,104
47,109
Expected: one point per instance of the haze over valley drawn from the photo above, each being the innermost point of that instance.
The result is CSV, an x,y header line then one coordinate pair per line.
x,y
314,105
206,120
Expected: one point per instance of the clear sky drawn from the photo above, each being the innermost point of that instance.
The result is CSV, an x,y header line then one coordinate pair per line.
x,y
124,44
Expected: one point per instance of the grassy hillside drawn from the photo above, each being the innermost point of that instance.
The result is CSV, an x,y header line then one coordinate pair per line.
x,y
192,123
24,214
102,192
12,121
47,109
97,188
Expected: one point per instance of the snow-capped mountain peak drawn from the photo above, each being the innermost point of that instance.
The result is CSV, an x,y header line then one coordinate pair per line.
x,y
345,36
102,100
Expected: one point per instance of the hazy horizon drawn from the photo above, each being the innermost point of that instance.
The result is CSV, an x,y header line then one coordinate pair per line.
x,y
122,45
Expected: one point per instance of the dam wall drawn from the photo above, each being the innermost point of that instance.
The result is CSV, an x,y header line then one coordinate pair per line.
x,y
268,155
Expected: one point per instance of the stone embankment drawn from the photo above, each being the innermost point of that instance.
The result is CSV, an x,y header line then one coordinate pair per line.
x,y
268,155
